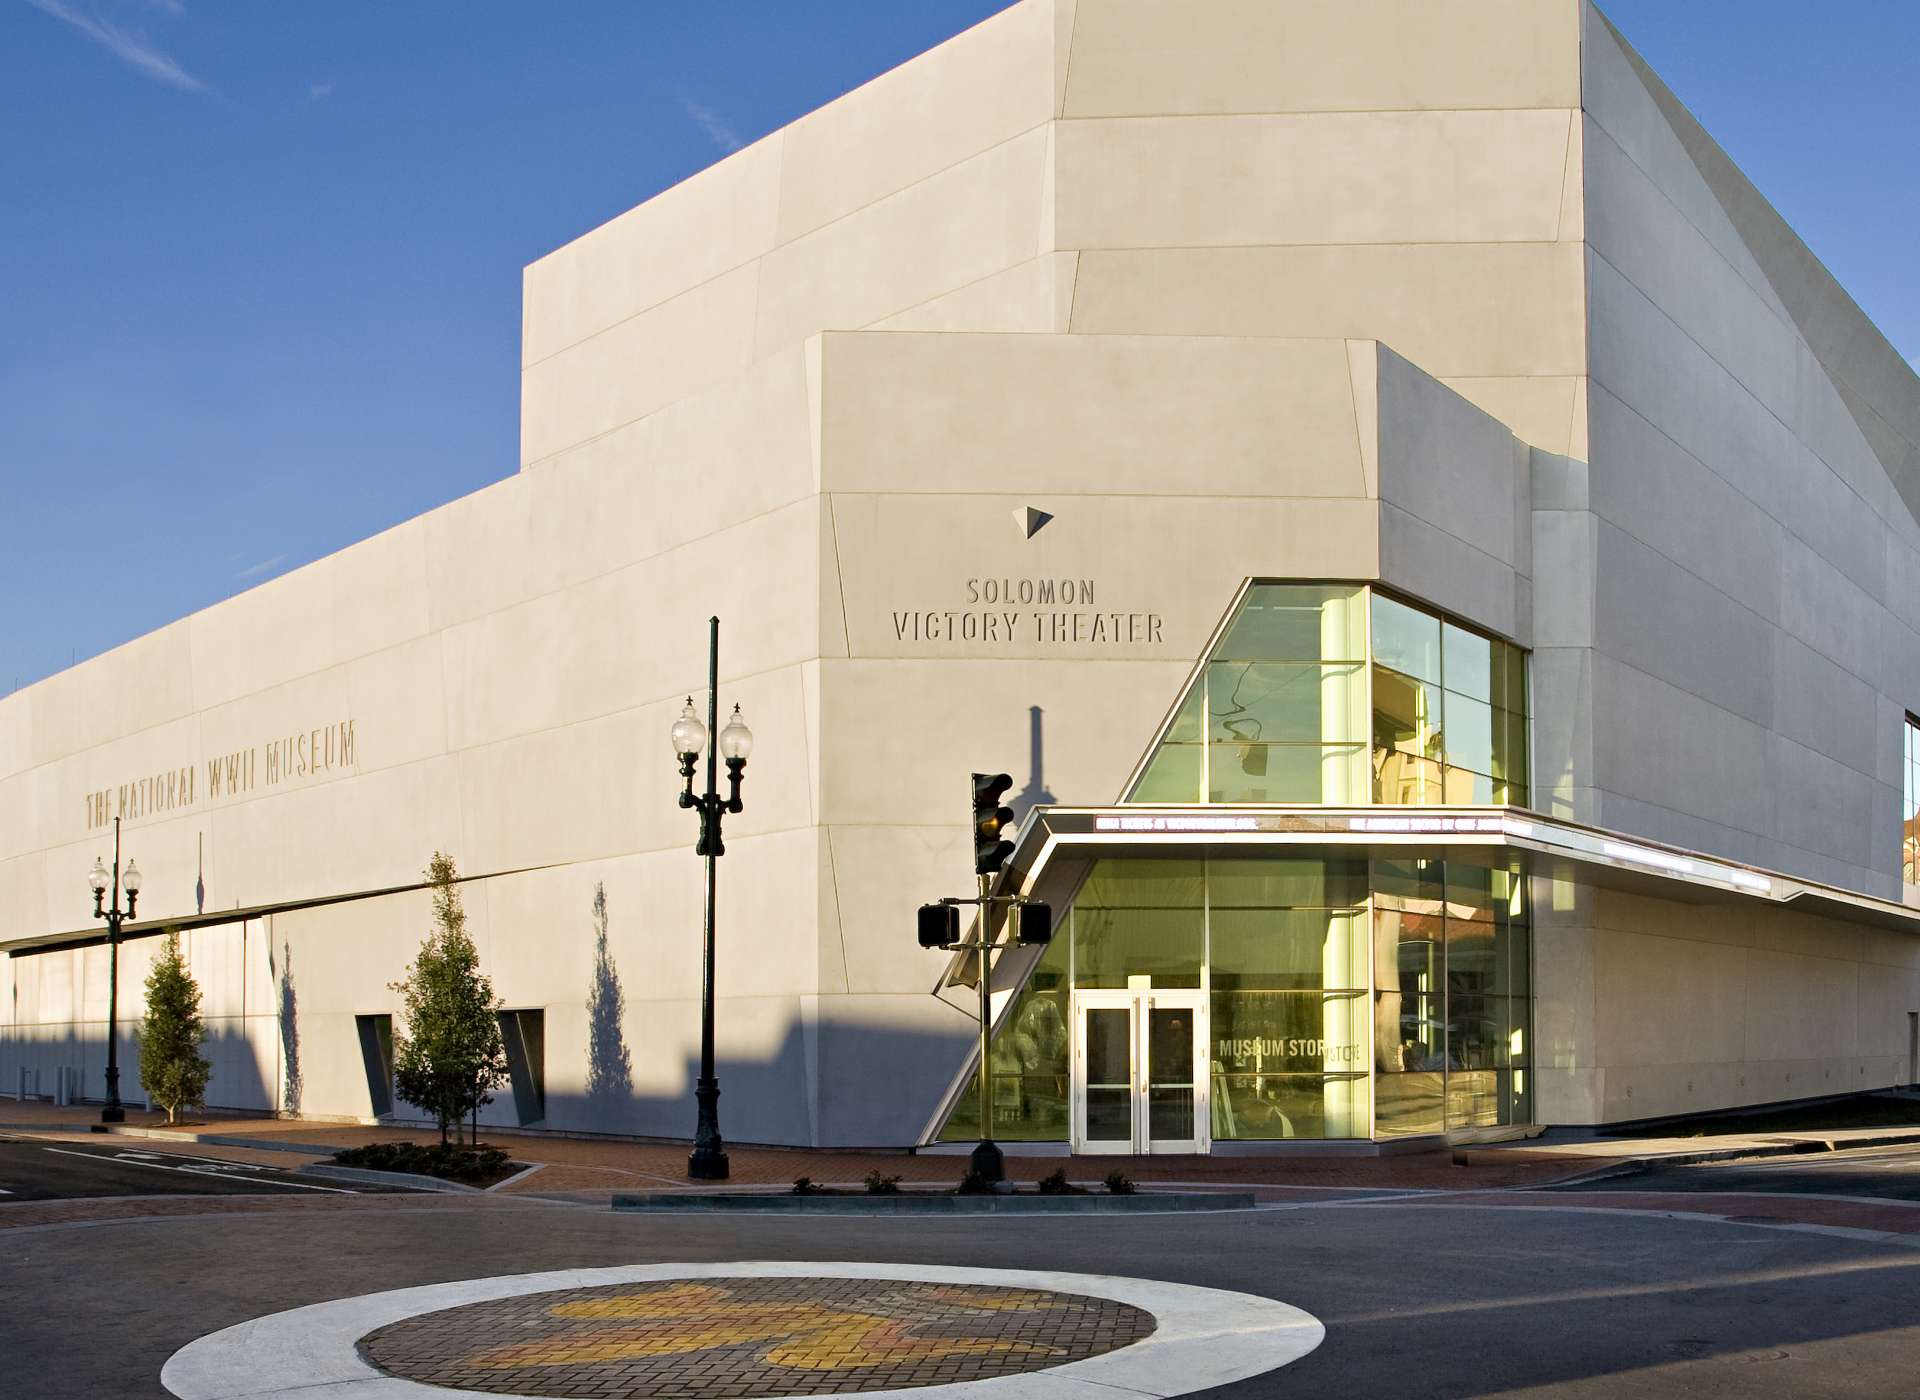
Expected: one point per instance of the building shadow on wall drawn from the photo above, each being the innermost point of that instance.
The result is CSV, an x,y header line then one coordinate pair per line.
x,y
289,1034
1036,792
609,1059
239,1083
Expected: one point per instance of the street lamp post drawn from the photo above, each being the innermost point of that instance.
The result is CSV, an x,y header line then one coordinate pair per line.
x,y
98,880
708,1160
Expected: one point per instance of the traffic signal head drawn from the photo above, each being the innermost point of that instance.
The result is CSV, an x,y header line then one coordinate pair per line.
x,y
990,820
939,925
1033,922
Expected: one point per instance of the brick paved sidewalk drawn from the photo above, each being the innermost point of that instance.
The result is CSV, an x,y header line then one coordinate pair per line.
x,y
582,1165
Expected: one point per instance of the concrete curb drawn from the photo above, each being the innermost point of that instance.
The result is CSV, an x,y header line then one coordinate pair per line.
x,y
366,1176
930,1203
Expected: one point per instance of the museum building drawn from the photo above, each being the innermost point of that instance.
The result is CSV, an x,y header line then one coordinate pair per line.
x,y
1435,550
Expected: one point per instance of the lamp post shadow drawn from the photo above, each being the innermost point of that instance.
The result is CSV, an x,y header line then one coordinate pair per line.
x,y
1035,793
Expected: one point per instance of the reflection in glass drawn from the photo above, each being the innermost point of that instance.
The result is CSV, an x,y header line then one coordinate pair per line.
x,y
1405,639
1109,1047
1279,714
1170,1074
1466,661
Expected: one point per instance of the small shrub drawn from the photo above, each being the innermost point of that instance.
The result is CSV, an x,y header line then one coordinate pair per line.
x,y
974,1184
806,1186
1055,1183
470,1166
878,1185
1119,1183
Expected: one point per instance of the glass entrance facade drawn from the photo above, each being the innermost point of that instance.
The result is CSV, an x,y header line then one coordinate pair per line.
x,y
1342,997
1339,996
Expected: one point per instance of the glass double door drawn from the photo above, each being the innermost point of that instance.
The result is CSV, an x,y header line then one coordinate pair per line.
x,y
1139,1084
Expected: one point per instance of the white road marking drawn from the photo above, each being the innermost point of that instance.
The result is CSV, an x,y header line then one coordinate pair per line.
x,y
197,1171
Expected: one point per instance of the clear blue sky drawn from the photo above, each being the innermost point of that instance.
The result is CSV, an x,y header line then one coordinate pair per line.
x,y
260,263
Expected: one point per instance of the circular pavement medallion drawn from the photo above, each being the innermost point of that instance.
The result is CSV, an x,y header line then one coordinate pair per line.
x,y
749,1330
751,1337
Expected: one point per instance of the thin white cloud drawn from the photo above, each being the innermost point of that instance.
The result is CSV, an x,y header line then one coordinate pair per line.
x,y
320,92
715,125
255,570
135,50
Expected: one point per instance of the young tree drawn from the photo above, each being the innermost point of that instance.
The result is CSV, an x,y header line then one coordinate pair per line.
x,y
171,1068
450,1053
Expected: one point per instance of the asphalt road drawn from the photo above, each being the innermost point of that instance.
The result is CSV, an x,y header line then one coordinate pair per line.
x,y
1430,1299
37,1170
1890,1173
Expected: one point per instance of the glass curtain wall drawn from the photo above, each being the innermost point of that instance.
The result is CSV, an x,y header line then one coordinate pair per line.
x,y
1452,968
1910,805
1303,970
1279,713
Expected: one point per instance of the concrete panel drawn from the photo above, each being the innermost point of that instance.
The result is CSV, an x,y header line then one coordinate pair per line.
x,y
145,682
1657,744
16,732
1618,109
366,598
1825,609
1429,563
1828,710
1823,421
1661,495
1818,804
883,874
1450,464
1645,238
966,223
1476,310
880,769
1667,1001
1563,594
714,221
1076,590
1647,363
975,91
1135,57
696,467
1800,1008
920,1040
1562,765
1653,615
1318,178
640,364
1127,414
1034,297
1539,409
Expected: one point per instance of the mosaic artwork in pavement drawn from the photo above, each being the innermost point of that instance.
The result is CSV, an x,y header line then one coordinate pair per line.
x,y
748,1337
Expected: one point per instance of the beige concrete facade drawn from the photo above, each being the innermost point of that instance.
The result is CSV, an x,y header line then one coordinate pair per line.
x,y
1450,297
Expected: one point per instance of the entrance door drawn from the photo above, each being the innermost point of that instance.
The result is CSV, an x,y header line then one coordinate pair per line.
x,y
1138,1080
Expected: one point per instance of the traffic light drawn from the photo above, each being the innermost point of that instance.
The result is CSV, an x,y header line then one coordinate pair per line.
x,y
990,819
1033,922
939,925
